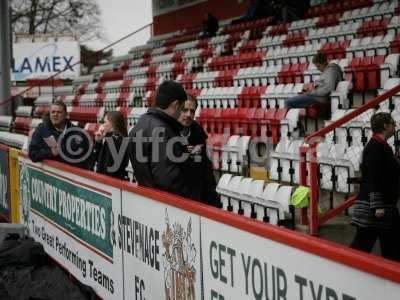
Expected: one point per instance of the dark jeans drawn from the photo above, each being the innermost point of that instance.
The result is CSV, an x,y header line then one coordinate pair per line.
x,y
366,237
300,101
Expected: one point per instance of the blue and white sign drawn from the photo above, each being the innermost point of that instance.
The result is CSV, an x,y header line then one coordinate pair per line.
x,y
32,60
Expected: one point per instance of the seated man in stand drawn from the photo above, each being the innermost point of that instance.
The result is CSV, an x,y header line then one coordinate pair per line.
x,y
331,75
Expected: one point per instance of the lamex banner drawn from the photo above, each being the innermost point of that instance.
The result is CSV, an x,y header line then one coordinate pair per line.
x,y
72,217
32,60
161,250
241,265
4,184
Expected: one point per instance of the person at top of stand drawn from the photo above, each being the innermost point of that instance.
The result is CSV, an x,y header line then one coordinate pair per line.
x,y
210,26
57,138
156,149
198,170
375,214
112,131
258,9
331,75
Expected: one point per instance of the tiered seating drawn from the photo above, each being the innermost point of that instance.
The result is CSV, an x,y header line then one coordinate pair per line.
x,y
23,119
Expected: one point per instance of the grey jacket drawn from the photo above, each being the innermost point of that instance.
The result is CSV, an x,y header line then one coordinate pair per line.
x,y
326,83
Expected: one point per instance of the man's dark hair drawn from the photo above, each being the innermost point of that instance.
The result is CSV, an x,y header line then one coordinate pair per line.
x,y
320,58
168,92
60,104
379,120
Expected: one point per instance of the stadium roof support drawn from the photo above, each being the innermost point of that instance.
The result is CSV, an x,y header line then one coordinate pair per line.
x,y
5,57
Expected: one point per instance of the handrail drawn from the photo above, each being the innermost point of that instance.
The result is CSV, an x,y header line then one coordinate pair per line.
x,y
312,140
370,104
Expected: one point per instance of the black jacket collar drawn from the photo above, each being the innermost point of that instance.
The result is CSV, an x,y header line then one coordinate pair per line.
x,y
158,113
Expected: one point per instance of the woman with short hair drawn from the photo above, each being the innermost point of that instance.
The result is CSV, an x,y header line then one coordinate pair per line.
x,y
375,212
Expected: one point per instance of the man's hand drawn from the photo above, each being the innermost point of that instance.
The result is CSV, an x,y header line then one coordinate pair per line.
x,y
379,212
54,151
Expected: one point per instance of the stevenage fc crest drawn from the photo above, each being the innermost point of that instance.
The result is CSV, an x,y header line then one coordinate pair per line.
x,y
25,197
178,258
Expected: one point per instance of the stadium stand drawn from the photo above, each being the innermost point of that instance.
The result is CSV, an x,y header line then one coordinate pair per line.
x,y
241,78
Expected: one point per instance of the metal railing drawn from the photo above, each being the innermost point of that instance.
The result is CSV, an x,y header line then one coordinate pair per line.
x,y
309,166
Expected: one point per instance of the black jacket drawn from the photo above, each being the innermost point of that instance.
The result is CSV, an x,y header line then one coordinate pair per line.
x,y
152,167
379,186
199,175
39,150
103,159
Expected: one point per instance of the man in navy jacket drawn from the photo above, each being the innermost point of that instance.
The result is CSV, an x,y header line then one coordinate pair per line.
x,y
73,148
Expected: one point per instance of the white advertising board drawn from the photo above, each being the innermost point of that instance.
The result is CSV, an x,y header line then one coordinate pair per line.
x,y
72,217
32,60
161,250
241,265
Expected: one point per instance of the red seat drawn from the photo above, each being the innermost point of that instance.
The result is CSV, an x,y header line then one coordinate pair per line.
x,y
292,73
215,121
251,96
177,57
295,39
335,50
215,142
328,20
151,71
40,110
187,80
205,118
275,124
225,78
364,72
249,46
84,114
113,75
179,68
240,124
280,29
373,28
21,125
395,44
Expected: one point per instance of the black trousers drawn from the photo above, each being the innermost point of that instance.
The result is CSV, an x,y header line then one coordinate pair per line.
x,y
366,237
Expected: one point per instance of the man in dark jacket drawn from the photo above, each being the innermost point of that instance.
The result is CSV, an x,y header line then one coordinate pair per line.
x,y
156,149
375,212
56,138
198,168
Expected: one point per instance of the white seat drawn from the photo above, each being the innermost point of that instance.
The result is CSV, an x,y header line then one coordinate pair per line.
x,y
245,188
234,192
222,189
266,199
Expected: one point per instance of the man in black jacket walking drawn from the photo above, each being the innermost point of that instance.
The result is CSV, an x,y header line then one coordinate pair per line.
x,y
57,138
156,149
